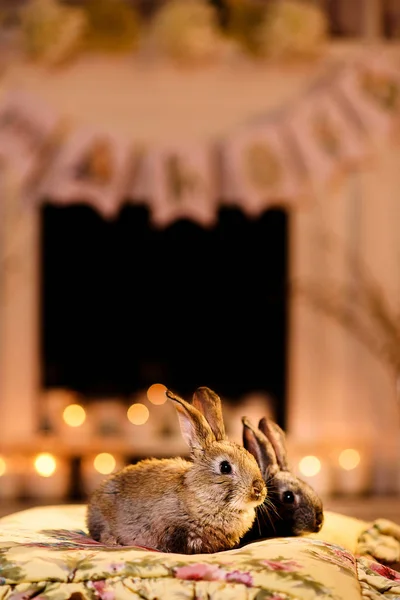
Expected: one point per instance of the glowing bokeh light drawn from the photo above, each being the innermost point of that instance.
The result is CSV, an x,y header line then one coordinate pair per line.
x,y
156,393
349,459
45,464
104,463
3,466
74,415
138,414
310,466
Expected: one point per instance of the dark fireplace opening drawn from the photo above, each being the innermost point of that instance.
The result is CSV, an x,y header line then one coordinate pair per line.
x,y
126,304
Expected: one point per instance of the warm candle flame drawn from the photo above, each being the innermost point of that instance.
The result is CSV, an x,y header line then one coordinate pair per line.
x,y
104,463
138,414
45,464
349,459
156,393
310,466
74,415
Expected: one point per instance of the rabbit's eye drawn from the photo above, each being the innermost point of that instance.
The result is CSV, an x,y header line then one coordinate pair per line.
x,y
288,497
225,467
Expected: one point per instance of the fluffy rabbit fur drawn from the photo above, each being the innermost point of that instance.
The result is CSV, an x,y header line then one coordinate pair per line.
x,y
292,506
201,505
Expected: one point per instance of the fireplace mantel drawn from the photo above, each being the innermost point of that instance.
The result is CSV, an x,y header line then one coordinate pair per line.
x,y
123,94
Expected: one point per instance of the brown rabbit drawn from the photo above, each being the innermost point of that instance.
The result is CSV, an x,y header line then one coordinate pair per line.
x,y
201,505
292,507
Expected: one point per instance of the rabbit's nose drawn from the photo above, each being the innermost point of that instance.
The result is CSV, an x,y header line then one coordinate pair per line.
x,y
259,488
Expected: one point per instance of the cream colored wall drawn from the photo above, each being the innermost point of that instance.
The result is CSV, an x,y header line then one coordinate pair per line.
x,y
339,392
19,326
336,389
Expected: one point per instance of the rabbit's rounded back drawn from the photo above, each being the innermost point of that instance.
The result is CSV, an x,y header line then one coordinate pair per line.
x,y
292,507
204,504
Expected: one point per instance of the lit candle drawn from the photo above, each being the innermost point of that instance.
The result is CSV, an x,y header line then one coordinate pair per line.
x,y
76,427
141,421
352,472
138,413
47,477
96,468
315,471
154,429
156,394
54,403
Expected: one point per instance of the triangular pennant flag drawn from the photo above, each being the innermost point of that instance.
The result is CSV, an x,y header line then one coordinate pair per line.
x,y
339,134
91,168
178,182
25,127
327,139
370,92
260,168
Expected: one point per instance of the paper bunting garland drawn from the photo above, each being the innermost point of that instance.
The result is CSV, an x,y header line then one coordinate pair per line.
x,y
178,182
259,168
280,159
371,90
328,140
26,125
92,167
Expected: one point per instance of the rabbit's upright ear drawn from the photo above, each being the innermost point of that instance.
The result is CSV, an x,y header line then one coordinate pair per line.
x,y
258,445
209,403
277,438
195,430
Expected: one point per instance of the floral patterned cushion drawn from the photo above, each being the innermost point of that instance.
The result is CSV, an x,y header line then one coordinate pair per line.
x,y
45,553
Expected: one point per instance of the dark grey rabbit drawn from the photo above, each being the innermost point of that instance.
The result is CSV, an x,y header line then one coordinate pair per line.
x,y
292,507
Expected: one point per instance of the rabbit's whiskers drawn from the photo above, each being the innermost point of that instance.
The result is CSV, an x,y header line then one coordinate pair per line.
x,y
269,507
272,487
258,523
263,516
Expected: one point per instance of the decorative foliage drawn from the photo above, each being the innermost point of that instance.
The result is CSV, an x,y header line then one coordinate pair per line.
x,y
52,33
244,21
292,28
360,306
113,25
279,28
187,31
